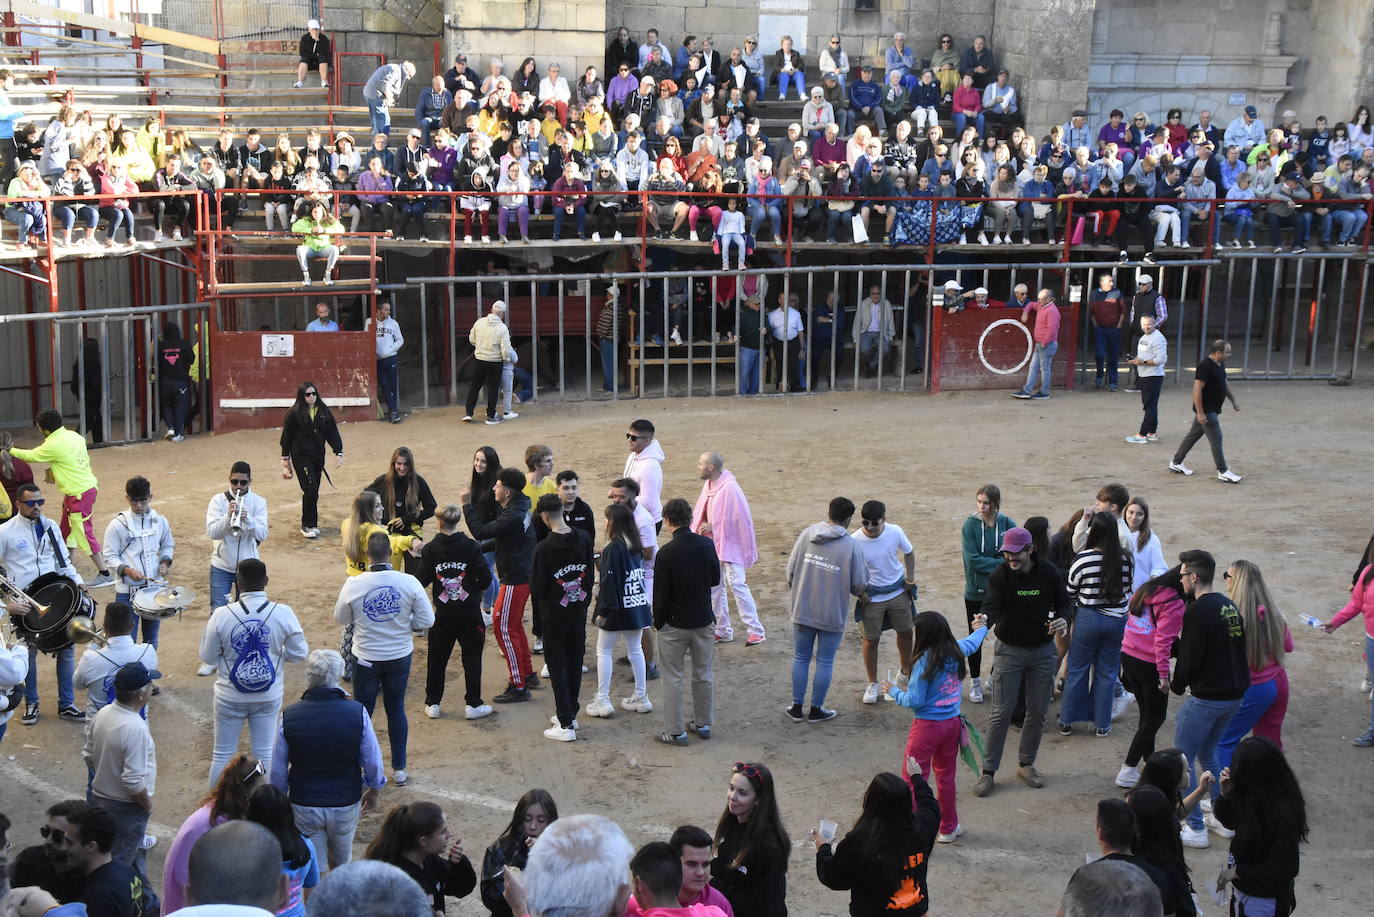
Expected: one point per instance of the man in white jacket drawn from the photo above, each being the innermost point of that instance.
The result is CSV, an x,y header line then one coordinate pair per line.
x,y
138,548
248,642
490,341
389,343
386,608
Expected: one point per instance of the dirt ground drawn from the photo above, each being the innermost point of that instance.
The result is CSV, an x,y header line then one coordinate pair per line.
x,y
925,456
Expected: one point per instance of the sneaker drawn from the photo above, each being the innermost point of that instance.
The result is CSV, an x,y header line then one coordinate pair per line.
x,y
512,695
676,337
795,713
692,236
700,731
559,734
1364,741
1103,733
467,418
504,240
544,672
1196,838
1028,773
205,669
1023,395
725,638
617,237
432,711
1137,439
596,237
309,533
176,234
651,671
1180,468
467,240
983,786
305,280
493,421
400,777
975,691
640,703
102,579
820,714
554,720
1216,827
667,738
1120,704
178,438
538,646
1040,396
1228,476
871,693
148,843
1151,437
754,639
297,85
1127,777
600,706
1365,685
532,682
1251,244
1300,249
951,837
982,238
486,239
158,236
1066,729
30,714
476,713
1148,258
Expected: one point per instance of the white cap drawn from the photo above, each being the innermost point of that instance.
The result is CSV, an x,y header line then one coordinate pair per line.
x,y
1144,278
981,291
499,306
952,285
312,24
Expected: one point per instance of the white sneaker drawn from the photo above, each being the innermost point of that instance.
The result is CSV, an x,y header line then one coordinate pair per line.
x,y
476,713
1196,839
1206,805
205,669
1127,777
1216,827
509,415
486,238
638,704
1228,476
692,236
600,706
538,646
975,691
1180,468
982,238
559,734
675,337
176,234
554,720
1119,705
297,85
617,236
871,693
158,236
305,279
310,533
596,237
1365,686
400,777
1138,440
951,837
467,239
432,711
149,842
544,672
467,418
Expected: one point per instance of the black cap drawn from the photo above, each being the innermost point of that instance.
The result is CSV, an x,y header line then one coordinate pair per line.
x,y
134,675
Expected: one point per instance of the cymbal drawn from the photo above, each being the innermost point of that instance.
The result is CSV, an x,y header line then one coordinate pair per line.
x,y
174,597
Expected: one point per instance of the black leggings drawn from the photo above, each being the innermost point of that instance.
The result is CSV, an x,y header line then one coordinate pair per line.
x,y
461,625
308,472
975,659
1142,679
489,374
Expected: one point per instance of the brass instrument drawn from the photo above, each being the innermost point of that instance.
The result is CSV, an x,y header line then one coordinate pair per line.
x,y
10,592
236,521
81,629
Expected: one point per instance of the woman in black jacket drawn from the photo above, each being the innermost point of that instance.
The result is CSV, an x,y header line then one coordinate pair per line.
x,y
622,610
485,466
534,812
750,866
1261,801
882,861
406,499
416,839
1157,843
174,358
308,426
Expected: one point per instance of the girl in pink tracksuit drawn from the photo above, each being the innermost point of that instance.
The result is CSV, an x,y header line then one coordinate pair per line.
x,y
1361,603
1153,623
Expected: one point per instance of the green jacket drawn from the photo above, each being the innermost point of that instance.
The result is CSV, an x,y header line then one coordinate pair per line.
x,y
981,557
315,236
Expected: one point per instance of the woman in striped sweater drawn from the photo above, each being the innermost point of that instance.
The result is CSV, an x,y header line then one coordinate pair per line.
x,y
1099,581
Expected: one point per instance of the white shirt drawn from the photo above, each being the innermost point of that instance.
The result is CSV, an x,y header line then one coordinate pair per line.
x,y
884,558
228,549
120,749
647,536
385,607
253,614
96,667
28,552
138,541
558,91
785,328
14,666
224,910
1155,348
389,338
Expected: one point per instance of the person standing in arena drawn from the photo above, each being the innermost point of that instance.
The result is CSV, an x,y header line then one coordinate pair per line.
x,y
1210,392
645,465
626,491
722,514
561,575
490,340
139,547
980,537
308,426
236,524
453,566
512,533
687,572
890,565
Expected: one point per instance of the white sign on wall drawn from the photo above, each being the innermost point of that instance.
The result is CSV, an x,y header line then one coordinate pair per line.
x,y
278,345
773,27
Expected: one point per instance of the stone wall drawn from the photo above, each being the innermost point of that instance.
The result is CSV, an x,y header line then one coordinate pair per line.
x,y
1334,41
1041,44
571,32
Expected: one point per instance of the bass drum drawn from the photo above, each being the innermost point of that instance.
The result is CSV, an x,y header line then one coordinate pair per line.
x,y
65,600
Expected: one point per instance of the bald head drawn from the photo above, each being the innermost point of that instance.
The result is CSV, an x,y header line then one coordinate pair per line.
x,y
238,862
710,465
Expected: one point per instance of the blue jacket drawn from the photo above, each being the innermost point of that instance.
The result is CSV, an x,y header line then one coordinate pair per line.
x,y
925,95
324,737
939,697
865,95
431,104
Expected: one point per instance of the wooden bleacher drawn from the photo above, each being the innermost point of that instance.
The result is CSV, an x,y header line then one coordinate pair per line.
x,y
657,356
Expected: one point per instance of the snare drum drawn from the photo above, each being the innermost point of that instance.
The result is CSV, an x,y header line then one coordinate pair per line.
x,y
65,600
150,602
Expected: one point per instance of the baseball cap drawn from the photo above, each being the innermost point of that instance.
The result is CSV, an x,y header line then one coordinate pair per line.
x,y
312,24
1079,113
415,132
1144,278
867,68
1251,111
1015,540
804,164
981,291
952,285
134,675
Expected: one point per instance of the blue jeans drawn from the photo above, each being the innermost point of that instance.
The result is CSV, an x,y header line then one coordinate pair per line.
x,y
222,584
1096,645
1107,347
1257,700
796,77
1348,223
1186,215
69,213
389,382
826,644
66,668
748,371
757,211
1039,374
27,223
559,214
389,677
148,627
1244,223
608,366
961,121
1197,730
131,823
379,116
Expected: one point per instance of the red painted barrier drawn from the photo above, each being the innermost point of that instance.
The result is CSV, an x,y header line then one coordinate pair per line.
x,y
254,375
991,349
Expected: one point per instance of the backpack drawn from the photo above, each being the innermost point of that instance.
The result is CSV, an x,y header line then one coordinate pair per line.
x,y
252,671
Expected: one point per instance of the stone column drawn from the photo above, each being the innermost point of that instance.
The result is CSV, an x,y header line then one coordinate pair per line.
x,y
1046,47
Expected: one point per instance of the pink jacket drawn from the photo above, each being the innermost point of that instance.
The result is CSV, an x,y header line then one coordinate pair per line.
x,y
1361,602
708,903
722,504
1150,636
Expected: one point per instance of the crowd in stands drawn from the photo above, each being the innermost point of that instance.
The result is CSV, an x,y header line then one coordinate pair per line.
x,y
680,133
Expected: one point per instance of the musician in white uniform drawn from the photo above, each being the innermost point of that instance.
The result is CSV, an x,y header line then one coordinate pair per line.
x,y
230,549
31,545
138,548
14,665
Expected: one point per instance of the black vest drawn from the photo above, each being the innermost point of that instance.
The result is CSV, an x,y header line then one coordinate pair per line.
x,y
324,733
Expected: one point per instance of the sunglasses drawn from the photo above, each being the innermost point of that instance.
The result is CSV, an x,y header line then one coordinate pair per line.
x,y
946,41
257,769
871,523
33,502
748,770
634,436
238,481
51,834
311,394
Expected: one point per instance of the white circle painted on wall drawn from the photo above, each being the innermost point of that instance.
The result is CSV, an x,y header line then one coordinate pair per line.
x,y
1030,346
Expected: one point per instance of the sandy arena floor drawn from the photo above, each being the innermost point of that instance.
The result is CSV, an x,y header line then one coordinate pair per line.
x,y
1297,515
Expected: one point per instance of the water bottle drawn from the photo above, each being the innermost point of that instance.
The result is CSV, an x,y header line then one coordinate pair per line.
x,y
1311,621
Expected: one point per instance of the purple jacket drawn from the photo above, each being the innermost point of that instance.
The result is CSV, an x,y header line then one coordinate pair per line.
x,y
370,182
445,160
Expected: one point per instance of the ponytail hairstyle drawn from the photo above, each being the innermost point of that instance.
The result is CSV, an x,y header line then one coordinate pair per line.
x,y
402,830
238,780
364,508
271,808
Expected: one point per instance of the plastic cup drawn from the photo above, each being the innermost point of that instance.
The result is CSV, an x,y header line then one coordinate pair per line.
x,y
827,829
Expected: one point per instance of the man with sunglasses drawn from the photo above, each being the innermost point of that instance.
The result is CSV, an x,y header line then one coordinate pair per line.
x,y
229,548
113,888
890,568
31,546
45,865
1027,606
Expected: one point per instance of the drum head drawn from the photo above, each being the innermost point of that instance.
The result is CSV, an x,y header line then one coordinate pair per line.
x,y
48,631
145,599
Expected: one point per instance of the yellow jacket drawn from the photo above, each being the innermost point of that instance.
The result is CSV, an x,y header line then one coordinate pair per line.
x,y
399,545
64,451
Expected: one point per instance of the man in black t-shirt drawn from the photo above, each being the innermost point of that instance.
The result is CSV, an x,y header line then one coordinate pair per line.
x,y
45,865
112,889
1209,392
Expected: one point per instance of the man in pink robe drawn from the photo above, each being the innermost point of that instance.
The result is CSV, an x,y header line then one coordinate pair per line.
x,y
722,514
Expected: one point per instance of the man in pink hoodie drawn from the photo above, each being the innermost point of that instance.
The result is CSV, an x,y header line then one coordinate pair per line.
x,y
722,514
656,876
693,845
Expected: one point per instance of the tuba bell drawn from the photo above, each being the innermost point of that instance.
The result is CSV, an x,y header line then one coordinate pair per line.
x,y
82,629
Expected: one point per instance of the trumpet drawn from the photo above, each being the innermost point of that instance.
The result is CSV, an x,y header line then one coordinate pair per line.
x,y
236,521
81,629
10,592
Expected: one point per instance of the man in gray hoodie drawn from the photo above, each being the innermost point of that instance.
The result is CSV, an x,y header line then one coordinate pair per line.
x,y
825,569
